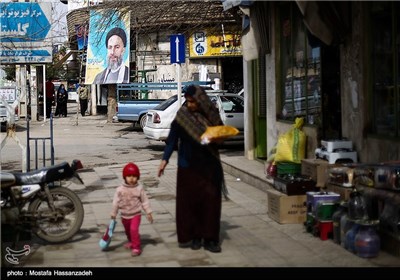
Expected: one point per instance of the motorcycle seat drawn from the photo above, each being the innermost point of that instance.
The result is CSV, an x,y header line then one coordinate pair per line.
x,y
45,175
7,180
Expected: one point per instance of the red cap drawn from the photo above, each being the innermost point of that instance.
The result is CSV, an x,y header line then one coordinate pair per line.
x,y
131,169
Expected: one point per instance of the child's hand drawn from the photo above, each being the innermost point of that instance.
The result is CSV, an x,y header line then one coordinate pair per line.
x,y
112,217
150,218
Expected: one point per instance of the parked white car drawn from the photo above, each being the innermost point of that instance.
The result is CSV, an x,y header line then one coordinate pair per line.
x,y
159,119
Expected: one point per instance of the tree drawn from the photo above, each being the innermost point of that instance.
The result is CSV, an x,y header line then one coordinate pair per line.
x,y
151,16
10,72
57,72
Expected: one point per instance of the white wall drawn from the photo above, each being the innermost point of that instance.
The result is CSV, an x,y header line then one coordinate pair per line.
x,y
154,53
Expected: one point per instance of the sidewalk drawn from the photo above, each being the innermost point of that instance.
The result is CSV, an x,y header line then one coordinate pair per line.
x,y
249,238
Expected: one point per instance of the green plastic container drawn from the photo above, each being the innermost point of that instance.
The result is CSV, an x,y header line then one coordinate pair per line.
x,y
310,222
285,168
325,210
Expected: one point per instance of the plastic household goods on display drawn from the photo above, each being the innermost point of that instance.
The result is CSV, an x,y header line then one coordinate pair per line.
x,y
345,225
351,237
357,206
342,210
367,241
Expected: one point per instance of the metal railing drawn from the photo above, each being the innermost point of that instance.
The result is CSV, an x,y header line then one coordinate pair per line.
x,y
42,141
142,89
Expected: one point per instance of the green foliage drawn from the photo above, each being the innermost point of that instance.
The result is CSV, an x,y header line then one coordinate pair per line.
x,y
59,73
10,72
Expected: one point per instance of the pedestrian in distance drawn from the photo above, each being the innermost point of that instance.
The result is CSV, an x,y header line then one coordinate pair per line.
x,y
50,100
129,199
200,177
62,99
116,71
83,98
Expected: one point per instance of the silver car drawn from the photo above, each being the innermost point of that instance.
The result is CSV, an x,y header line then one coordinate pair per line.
x,y
159,119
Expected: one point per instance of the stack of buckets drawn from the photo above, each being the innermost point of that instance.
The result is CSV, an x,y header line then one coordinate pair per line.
x,y
320,208
353,228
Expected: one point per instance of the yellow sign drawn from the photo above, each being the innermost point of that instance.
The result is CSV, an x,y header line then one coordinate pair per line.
x,y
203,45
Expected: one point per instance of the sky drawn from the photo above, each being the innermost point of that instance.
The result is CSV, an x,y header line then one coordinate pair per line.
x,y
59,26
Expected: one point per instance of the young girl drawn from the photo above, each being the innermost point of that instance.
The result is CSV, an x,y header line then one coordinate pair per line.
x,y
130,198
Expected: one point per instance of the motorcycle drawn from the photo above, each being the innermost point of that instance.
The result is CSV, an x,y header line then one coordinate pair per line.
x,y
37,200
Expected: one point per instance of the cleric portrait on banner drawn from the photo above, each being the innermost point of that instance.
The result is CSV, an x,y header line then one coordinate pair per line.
x,y
108,48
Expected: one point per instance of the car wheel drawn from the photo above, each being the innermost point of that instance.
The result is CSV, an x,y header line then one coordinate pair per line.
x,y
142,121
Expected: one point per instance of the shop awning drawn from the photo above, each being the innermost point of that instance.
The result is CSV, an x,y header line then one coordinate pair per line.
x,y
228,4
255,26
329,21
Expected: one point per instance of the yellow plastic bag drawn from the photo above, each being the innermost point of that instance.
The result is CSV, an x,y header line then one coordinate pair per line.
x,y
291,145
218,133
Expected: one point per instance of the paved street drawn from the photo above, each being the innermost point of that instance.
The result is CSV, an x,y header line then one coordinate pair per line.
x,y
250,238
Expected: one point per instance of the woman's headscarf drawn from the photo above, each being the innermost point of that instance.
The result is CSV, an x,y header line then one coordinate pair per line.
x,y
195,123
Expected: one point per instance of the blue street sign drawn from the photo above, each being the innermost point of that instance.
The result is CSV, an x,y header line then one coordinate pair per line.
x,y
177,48
25,32
23,22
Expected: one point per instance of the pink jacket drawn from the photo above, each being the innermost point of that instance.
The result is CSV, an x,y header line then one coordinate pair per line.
x,y
130,200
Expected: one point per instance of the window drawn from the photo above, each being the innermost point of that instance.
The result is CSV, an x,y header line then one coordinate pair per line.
x,y
166,103
232,104
300,74
385,70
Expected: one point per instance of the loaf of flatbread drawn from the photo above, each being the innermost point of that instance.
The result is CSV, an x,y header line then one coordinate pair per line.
x,y
218,133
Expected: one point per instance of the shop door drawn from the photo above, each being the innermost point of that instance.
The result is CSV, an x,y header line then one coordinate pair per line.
x,y
232,74
330,87
260,108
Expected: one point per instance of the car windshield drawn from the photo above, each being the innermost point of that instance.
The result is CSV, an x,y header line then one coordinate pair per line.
x,y
166,103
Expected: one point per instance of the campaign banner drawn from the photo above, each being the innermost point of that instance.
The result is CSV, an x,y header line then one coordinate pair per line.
x,y
108,50
82,35
25,34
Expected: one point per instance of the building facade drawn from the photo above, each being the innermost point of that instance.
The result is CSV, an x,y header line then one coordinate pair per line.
x,y
334,63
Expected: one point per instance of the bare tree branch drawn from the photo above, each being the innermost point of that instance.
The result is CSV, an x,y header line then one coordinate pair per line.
x,y
150,16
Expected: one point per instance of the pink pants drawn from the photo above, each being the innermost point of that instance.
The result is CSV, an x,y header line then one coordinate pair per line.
x,y
132,230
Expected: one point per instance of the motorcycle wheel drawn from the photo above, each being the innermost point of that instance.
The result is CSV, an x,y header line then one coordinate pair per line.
x,y
62,225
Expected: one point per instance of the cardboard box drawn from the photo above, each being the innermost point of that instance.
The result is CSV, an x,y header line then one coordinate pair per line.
x,y
316,169
344,192
286,209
